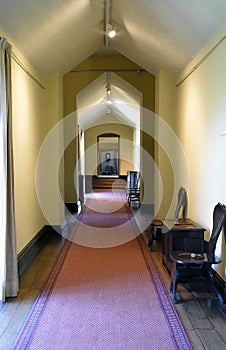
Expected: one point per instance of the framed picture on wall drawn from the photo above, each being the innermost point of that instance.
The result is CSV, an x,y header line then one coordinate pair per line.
x,y
108,156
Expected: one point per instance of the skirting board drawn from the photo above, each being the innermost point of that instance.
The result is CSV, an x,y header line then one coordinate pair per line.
x,y
32,249
220,285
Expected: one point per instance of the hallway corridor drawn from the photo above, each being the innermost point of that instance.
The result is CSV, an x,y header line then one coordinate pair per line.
x,y
203,318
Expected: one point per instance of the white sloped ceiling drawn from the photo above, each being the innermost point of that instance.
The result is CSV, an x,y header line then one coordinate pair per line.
x,y
59,34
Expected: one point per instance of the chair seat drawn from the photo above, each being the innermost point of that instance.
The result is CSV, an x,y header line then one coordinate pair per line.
x,y
186,263
181,257
134,196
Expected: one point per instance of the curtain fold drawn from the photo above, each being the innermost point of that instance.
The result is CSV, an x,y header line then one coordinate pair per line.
x,y
8,257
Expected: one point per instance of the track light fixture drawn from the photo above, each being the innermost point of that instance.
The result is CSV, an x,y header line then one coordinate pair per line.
x,y
108,90
109,31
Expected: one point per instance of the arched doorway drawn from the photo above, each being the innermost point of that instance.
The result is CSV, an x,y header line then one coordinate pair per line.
x,y
108,155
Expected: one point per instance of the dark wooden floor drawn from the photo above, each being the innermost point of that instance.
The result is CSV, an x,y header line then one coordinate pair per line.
x,y
14,312
202,316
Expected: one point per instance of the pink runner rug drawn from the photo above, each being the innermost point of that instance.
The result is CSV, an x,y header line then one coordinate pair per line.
x,y
105,221
104,299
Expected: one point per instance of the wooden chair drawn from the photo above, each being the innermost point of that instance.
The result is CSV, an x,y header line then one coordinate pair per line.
x,y
188,266
133,187
156,224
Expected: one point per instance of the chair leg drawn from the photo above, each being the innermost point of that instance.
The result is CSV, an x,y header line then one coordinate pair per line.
x,y
174,282
151,237
129,202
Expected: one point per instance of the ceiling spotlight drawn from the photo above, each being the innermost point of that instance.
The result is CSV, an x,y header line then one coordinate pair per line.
x,y
110,31
112,34
108,92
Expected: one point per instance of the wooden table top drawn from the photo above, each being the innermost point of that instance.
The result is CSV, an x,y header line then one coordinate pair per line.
x,y
180,224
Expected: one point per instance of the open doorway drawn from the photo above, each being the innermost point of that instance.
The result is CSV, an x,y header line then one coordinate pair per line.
x,y
111,140
108,155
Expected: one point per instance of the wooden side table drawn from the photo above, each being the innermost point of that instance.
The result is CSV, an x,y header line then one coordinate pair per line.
x,y
181,235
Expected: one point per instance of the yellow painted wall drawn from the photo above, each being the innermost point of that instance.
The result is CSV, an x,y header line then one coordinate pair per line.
x,y
35,111
202,128
28,111
165,110
75,82
199,121
50,165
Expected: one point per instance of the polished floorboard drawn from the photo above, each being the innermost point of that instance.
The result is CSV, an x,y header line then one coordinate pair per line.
x,y
203,317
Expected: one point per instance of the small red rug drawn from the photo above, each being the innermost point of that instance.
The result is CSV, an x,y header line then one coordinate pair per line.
x,y
104,299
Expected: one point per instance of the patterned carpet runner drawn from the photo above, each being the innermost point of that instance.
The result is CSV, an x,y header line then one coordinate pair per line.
x,y
109,297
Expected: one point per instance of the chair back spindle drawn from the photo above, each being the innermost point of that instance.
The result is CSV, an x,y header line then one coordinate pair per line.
x,y
181,203
218,221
